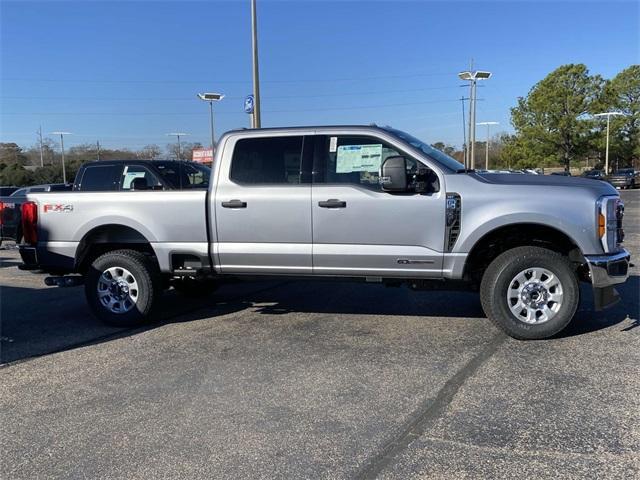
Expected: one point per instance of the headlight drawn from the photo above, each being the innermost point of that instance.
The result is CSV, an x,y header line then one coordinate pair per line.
x,y
609,214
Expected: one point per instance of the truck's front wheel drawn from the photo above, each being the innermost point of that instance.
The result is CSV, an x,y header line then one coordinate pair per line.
x,y
530,292
122,287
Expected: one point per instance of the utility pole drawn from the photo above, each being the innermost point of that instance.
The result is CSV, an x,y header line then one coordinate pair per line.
x,y
464,133
98,145
62,134
41,153
255,117
472,124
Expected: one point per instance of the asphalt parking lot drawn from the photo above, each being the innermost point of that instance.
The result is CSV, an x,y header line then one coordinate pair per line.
x,y
315,380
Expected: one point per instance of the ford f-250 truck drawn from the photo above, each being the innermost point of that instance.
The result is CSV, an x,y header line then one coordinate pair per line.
x,y
350,202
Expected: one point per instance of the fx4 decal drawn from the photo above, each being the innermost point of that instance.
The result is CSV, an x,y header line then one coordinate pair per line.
x,y
57,208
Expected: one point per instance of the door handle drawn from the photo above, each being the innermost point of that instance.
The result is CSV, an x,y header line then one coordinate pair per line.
x,y
234,204
333,203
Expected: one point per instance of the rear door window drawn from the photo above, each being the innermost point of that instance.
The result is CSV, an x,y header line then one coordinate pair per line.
x,y
272,160
100,178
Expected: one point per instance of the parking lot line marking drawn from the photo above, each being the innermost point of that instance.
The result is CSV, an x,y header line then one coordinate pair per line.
x,y
429,412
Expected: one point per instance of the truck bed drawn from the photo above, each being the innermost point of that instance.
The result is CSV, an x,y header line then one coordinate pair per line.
x,y
168,220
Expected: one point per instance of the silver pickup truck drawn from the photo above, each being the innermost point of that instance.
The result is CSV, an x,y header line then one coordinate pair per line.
x,y
346,202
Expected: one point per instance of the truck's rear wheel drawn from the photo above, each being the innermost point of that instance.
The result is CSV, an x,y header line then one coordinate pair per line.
x,y
122,287
530,292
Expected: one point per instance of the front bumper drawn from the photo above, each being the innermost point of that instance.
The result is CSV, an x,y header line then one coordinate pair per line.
x,y
607,271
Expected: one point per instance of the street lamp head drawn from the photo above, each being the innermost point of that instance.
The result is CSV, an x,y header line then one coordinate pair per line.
x,y
178,134
478,75
488,123
210,97
60,133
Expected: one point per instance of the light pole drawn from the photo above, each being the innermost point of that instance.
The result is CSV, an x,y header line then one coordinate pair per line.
x,y
472,78
62,134
255,117
178,135
211,97
488,124
606,154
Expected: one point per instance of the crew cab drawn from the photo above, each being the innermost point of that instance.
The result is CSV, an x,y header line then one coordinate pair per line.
x,y
346,202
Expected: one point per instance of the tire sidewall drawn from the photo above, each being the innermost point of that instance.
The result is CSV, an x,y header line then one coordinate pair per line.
x,y
146,291
571,295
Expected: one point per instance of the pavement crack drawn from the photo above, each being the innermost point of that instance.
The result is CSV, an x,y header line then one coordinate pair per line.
x,y
429,412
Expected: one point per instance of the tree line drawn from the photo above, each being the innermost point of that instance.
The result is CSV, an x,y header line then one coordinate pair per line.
x,y
554,125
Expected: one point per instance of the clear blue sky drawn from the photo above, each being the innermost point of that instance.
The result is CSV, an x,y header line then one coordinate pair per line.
x,y
126,73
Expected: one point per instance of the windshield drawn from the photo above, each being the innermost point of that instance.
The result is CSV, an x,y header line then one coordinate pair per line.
x,y
182,175
431,152
625,170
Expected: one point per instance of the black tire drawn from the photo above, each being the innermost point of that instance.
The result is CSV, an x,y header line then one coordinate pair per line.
x,y
146,274
193,288
499,276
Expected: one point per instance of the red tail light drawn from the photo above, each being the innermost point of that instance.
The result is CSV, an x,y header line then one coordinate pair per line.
x,y
1,212
30,222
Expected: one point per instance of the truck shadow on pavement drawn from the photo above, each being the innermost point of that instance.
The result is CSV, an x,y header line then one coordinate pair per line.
x,y
36,322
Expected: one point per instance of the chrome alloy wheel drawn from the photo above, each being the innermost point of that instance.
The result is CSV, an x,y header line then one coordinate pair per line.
x,y
535,295
117,290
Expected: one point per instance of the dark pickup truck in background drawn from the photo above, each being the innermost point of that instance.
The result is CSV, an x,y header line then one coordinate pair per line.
x,y
625,178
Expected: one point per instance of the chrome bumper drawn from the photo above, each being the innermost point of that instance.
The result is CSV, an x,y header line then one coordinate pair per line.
x,y
608,270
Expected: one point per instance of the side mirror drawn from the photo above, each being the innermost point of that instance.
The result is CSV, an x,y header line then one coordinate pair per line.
x,y
393,174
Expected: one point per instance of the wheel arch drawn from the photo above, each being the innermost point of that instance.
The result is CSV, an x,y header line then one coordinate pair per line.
x,y
109,237
505,237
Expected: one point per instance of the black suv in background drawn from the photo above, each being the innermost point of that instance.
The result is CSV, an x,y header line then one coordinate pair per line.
x,y
127,175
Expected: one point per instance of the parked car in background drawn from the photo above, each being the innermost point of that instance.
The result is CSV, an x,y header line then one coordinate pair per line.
x,y
363,202
564,173
52,187
624,178
595,174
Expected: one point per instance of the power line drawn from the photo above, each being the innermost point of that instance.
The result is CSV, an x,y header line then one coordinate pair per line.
x,y
361,107
320,95
209,80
